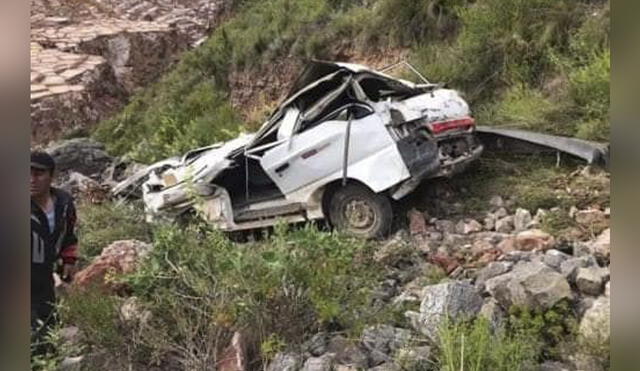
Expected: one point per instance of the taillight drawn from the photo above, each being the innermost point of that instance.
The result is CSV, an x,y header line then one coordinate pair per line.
x,y
442,126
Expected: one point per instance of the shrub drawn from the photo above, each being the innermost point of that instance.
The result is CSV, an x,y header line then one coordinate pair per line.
x,y
519,343
294,282
99,225
96,314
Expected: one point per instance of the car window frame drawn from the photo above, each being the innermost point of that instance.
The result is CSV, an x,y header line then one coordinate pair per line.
x,y
336,112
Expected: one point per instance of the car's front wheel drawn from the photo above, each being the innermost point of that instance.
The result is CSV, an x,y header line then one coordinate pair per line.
x,y
358,211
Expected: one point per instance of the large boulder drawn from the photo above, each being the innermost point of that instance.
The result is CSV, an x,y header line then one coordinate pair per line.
x,y
450,299
121,257
83,155
529,284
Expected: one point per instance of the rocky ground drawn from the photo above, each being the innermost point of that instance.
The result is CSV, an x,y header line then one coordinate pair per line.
x,y
486,266
88,57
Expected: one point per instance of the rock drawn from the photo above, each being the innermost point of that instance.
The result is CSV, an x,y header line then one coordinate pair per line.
x,y
445,261
346,368
534,240
234,356
317,345
540,215
393,250
507,245
555,258
555,366
130,311
491,270
285,362
500,213
492,312
83,187
587,362
529,284
382,341
569,267
323,363
490,223
521,219
71,364
595,324
496,201
607,289
445,226
581,249
583,304
414,358
601,247
590,217
417,224
347,353
70,334
454,240
82,155
388,366
505,224
121,257
453,299
468,226
590,280
572,211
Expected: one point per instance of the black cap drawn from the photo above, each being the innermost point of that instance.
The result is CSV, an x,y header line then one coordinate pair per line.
x,y
42,160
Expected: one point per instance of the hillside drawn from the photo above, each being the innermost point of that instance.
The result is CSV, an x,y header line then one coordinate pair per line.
x,y
504,267
540,64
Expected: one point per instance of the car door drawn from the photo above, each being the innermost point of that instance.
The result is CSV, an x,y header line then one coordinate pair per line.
x,y
316,150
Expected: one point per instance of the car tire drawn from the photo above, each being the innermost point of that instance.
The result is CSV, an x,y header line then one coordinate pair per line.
x,y
358,211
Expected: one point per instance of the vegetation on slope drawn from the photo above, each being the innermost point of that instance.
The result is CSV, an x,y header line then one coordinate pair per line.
x,y
538,64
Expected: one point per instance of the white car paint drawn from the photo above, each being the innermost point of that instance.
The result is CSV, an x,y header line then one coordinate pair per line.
x,y
314,158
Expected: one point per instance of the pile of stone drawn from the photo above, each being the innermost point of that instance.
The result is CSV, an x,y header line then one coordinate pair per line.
x,y
504,261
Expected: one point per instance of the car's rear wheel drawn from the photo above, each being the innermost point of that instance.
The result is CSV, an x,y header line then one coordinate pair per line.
x,y
358,211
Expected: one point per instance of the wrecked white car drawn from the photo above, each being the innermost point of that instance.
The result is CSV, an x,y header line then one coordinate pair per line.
x,y
345,143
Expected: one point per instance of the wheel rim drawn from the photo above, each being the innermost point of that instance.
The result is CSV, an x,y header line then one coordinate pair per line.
x,y
359,215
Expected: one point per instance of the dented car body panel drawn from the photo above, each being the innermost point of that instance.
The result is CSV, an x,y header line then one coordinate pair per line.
x,y
341,123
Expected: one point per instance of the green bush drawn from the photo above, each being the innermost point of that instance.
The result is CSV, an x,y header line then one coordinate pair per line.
x,y
101,224
589,89
524,339
527,108
96,314
292,283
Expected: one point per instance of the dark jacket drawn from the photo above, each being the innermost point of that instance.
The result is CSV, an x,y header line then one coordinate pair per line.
x,y
48,245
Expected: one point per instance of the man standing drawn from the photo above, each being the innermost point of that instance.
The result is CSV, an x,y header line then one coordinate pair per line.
x,y
53,218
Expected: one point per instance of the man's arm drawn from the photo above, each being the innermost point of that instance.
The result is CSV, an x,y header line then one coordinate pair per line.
x,y
69,249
